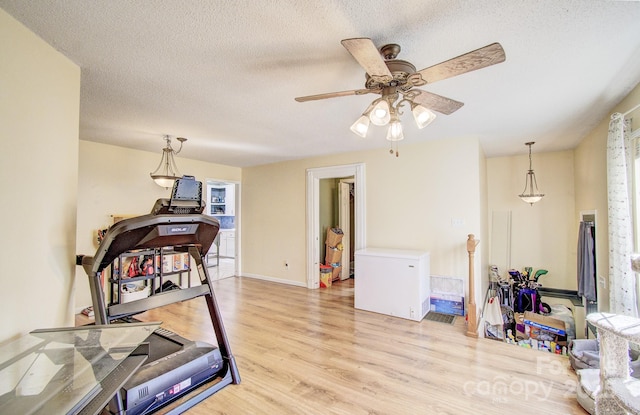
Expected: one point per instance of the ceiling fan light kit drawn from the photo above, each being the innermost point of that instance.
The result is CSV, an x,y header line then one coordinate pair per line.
x,y
395,79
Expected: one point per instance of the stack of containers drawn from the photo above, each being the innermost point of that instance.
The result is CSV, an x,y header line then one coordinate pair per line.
x,y
447,295
325,276
333,256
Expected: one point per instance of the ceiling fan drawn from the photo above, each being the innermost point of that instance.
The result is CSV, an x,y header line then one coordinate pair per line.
x,y
391,77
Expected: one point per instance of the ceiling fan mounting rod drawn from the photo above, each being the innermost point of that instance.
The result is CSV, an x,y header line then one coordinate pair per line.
x,y
390,90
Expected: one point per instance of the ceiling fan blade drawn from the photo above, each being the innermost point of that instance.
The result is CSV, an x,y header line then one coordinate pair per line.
x,y
335,94
435,102
368,56
477,59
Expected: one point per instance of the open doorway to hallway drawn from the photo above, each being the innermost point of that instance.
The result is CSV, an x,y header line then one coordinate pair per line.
x,y
223,202
315,234
337,210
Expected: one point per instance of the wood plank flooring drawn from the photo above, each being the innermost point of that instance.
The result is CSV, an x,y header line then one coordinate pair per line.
x,y
303,351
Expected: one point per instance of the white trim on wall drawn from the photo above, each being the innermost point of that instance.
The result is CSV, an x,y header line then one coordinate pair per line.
x,y
314,175
273,279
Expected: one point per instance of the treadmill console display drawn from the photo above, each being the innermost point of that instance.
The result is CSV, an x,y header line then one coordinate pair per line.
x,y
186,198
187,188
172,222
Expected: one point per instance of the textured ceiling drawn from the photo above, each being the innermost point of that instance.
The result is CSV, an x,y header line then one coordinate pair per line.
x,y
224,74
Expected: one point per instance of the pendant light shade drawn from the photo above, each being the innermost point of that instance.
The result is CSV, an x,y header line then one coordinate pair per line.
x,y
361,126
380,114
394,133
531,194
422,116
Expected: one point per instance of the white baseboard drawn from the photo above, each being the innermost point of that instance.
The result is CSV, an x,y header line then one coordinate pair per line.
x,y
272,279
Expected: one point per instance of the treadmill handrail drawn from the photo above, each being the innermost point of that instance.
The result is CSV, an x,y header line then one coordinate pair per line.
x,y
155,301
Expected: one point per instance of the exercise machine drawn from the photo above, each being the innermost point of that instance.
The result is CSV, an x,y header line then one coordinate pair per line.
x,y
178,370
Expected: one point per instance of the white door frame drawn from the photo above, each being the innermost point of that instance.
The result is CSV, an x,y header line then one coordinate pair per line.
x,y
314,175
344,215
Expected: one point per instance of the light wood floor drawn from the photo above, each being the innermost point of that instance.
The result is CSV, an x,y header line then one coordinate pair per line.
x,y
303,351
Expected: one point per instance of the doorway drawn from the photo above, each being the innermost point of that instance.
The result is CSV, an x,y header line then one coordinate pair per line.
x,y
222,201
587,261
337,211
314,176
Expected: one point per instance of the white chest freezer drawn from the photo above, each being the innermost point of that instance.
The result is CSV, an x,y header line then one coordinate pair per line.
x,y
393,282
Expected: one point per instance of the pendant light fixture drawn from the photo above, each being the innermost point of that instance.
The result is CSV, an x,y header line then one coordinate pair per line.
x,y
531,194
167,171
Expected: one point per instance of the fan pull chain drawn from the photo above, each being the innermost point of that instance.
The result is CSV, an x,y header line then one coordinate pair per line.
x,y
391,149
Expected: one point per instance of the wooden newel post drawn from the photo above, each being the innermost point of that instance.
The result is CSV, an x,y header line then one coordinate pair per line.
x,y
472,318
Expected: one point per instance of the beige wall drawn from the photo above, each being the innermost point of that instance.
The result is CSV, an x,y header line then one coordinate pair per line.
x,y
482,259
115,181
412,202
39,107
591,188
543,236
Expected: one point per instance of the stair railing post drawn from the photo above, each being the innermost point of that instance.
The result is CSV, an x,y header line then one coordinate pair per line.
x,y
472,318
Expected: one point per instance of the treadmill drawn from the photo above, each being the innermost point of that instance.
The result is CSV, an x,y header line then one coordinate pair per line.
x,y
177,369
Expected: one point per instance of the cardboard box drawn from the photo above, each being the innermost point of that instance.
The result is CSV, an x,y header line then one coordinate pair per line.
x,y
325,276
544,328
335,273
332,256
167,263
447,285
177,262
334,237
185,261
447,295
447,304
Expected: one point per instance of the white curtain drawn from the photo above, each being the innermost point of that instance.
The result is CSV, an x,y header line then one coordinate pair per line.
x,y
622,280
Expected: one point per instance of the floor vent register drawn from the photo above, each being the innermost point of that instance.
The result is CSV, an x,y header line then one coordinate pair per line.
x,y
440,317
